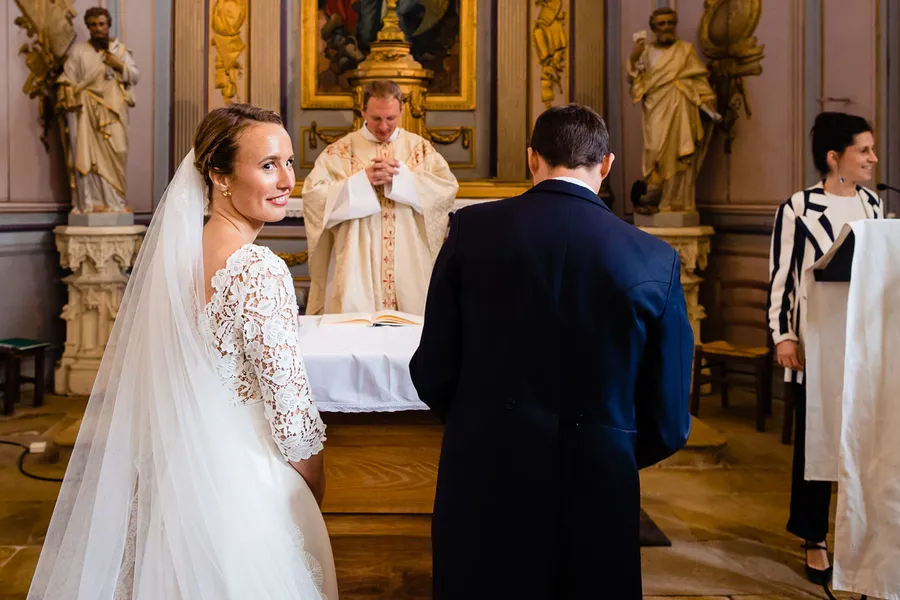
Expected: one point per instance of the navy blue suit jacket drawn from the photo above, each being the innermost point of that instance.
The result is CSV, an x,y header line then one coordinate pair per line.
x,y
557,351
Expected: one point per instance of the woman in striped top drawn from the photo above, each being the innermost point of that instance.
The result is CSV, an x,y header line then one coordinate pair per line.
x,y
843,149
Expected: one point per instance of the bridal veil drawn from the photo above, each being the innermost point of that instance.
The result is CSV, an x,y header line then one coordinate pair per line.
x,y
160,500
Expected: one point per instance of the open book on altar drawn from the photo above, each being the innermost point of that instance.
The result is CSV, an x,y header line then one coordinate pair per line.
x,y
382,317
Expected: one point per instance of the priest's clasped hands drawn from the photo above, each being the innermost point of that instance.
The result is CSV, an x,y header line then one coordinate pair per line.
x,y
382,170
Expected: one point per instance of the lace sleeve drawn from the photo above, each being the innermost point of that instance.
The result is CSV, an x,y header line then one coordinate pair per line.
x,y
272,347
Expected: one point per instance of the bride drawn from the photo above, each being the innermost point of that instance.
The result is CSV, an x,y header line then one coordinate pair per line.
x,y
198,469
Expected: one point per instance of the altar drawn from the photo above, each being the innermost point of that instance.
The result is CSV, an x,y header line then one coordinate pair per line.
x,y
360,368
381,456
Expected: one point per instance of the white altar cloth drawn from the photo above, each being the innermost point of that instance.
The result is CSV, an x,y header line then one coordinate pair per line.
x,y
358,368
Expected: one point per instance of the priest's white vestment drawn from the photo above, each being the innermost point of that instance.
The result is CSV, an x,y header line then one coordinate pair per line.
x,y
373,247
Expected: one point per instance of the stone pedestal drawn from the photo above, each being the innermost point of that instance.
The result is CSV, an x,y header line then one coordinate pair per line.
x,y
99,258
667,219
102,219
692,244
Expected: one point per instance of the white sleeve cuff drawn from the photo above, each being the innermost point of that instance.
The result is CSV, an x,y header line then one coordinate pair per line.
x,y
781,337
355,200
402,189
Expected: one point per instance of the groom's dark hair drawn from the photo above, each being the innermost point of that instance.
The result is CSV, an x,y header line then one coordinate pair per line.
x,y
216,142
570,136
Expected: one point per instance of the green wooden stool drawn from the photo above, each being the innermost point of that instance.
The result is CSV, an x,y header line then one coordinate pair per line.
x,y
12,351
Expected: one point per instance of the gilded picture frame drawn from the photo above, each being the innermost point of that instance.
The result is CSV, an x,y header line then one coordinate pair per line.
x,y
313,56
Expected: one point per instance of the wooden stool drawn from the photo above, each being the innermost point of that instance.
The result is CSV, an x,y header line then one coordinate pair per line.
x,y
12,351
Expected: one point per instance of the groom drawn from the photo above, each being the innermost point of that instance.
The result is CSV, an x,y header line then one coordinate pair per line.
x,y
557,351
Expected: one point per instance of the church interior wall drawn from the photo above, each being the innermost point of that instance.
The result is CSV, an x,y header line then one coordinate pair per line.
x,y
819,54
33,183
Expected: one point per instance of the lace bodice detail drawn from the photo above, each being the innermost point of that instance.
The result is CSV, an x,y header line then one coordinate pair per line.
x,y
252,320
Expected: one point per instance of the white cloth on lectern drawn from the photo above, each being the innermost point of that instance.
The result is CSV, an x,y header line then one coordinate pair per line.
x,y
825,327
867,531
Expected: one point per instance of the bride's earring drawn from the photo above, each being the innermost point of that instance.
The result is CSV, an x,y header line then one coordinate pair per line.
x,y
841,176
227,193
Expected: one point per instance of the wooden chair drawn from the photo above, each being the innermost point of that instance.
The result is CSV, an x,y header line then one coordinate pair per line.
x,y
12,351
720,355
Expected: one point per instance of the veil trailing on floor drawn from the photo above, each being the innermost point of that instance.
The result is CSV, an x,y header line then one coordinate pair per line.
x,y
160,500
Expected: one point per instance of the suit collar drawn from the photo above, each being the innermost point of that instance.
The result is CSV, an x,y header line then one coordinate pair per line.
x,y
558,186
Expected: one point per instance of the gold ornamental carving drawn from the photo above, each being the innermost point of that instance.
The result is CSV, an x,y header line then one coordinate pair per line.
x,y
450,135
48,25
227,23
726,38
293,259
441,135
462,53
317,133
551,46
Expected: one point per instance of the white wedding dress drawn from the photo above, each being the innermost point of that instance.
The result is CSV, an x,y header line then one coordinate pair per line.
x,y
178,487
252,321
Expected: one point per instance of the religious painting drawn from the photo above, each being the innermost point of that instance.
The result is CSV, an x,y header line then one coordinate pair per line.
x,y
337,36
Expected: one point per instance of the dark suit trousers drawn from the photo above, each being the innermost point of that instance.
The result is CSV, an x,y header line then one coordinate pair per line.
x,y
810,500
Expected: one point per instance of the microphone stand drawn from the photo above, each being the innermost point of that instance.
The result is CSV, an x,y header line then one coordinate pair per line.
x,y
881,187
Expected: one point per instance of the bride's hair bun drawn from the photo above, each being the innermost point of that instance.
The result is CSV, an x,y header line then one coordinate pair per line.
x,y
216,142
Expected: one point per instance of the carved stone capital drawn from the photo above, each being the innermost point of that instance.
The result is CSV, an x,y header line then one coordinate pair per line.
x,y
98,249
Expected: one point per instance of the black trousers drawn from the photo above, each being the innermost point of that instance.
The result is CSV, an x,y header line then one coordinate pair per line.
x,y
810,500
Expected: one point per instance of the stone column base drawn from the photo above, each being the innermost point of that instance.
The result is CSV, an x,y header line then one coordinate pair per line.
x,y
99,258
692,245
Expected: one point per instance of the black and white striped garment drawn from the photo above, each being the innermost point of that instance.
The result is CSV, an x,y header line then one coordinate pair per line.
x,y
805,228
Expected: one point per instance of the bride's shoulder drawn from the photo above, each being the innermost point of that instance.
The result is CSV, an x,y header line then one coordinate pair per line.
x,y
259,261
247,264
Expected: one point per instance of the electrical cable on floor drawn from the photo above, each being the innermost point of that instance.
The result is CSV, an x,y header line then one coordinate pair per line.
x,y
26,452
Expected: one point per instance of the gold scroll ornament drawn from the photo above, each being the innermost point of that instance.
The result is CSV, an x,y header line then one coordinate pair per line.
x,y
726,37
48,25
228,18
550,44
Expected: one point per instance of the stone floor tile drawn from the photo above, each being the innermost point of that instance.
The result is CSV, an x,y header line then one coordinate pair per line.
x,y
16,574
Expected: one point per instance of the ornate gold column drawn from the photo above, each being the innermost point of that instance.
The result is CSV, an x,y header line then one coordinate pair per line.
x,y
390,58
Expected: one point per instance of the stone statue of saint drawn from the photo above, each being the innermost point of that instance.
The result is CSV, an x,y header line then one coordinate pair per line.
x,y
96,90
672,85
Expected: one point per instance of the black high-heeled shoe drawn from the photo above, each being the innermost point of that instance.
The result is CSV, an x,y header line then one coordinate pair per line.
x,y
817,576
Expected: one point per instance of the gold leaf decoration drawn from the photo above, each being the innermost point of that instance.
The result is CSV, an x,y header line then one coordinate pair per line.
x,y
550,44
228,17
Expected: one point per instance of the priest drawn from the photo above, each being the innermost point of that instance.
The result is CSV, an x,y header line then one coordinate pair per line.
x,y
376,208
